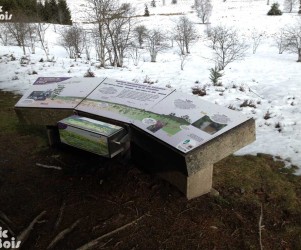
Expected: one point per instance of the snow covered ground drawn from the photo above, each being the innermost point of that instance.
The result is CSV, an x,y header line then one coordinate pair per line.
x,y
270,81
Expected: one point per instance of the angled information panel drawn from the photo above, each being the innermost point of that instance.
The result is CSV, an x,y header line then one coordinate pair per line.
x,y
47,80
181,120
186,122
65,94
122,101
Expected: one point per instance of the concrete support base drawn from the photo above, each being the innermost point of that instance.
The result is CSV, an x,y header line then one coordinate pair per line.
x,y
192,186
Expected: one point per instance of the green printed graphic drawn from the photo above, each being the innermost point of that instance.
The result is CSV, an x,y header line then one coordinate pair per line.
x,y
94,126
99,146
171,123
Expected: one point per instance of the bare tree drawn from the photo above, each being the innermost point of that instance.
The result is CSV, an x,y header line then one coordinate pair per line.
x,y
280,41
98,11
227,46
289,5
88,44
183,59
114,26
135,54
256,38
292,36
41,31
19,30
119,25
140,33
184,33
4,35
32,37
73,39
203,9
156,42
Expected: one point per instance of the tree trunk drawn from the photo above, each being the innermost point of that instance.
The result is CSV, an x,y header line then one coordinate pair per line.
x,y
23,47
153,57
187,48
299,55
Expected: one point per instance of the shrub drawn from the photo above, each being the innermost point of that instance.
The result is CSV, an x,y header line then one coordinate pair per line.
x,y
89,73
248,103
215,75
274,11
148,80
199,91
146,11
267,115
15,77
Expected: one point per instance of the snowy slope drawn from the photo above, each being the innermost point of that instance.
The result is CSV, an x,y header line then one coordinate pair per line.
x,y
267,79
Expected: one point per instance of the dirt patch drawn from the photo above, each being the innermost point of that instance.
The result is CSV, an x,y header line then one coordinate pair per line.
x,y
108,194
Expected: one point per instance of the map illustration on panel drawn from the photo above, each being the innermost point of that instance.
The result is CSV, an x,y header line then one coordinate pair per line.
x,y
66,94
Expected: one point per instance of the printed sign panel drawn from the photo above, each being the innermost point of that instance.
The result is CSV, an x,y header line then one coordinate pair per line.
x,y
48,80
186,122
183,121
122,101
67,94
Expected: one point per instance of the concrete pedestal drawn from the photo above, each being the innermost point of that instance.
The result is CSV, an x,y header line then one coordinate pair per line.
x,y
192,186
191,173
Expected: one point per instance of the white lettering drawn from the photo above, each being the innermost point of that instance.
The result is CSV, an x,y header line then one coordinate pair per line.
x,y
6,244
3,233
1,8
5,16
12,244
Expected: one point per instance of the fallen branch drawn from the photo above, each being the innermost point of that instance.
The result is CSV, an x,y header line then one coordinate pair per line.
x,y
94,242
60,216
23,236
47,166
62,234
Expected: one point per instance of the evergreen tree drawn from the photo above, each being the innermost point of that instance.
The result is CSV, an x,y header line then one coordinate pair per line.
x,y
64,15
274,11
9,5
46,11
40,11
153,3
146,11
53,11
